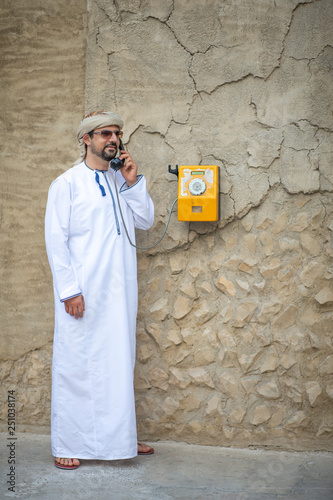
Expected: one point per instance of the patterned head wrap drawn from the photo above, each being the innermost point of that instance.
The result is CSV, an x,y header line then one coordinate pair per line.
x,y
94,120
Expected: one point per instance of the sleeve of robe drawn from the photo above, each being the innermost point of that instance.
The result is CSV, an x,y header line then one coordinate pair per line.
x,y
139,201
57,221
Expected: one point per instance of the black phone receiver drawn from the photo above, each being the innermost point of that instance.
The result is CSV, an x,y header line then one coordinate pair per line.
x,y
117,163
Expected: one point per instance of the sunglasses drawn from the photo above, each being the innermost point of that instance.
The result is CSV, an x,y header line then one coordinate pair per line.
x,y
107,134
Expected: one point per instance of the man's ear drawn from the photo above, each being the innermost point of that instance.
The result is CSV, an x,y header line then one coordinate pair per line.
x,y
86,139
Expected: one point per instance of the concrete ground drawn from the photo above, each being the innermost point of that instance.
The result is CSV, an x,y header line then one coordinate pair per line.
x,y
175,471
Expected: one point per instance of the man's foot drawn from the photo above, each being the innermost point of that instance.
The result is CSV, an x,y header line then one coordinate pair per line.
x,y
66,463
144,449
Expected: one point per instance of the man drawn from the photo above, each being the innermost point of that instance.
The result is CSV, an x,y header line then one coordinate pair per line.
x,y
95,287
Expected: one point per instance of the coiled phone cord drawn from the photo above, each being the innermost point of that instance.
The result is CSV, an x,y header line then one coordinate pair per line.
x,y
122,218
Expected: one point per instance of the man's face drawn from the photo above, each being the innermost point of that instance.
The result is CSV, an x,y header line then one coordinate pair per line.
x,y
103,145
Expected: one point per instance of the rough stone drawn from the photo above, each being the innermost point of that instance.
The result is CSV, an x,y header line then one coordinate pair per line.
x,y
245,313
250,242
205,312
329,390
141,383
170,405
177,264
269,390
189,336
159,309
200,377
326,425
214,406
237,416
268,243
286,273
174,337
288,360
182,307
278,416
313,391
324,296
288,245
229,384
226,314
281,223
159,378
204,356
269,270
293,389
260,415
206,287
225,285
311,272
181,377
260,285
267,360
299,418
248,265
326,367
243,285
188,288
300,222
216,261
310,244
143,353
190,403
268,311
287,318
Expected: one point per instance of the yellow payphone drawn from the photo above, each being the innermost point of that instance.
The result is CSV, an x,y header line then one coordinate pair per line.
x,y
198,196
198,192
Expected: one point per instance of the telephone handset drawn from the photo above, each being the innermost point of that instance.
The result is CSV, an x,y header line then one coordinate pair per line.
x,y
117,163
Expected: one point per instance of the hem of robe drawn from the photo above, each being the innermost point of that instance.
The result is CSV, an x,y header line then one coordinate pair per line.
x,y
84,456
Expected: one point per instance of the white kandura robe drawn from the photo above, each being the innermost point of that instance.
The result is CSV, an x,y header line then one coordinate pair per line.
x,y
93,409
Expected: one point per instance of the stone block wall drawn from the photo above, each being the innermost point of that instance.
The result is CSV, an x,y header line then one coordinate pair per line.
x,y
234,338
235,318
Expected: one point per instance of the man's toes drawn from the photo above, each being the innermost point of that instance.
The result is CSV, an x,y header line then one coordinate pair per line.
x,y
67,461
145,449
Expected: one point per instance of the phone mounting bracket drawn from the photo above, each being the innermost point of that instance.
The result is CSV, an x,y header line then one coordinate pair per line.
x,y
173,170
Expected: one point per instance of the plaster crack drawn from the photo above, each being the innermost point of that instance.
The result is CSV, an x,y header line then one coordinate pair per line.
x,y
283,43
104,11
171,11
178,41
164,21
231,82
318,127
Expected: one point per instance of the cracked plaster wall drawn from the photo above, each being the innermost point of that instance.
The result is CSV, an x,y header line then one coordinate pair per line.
x,y
235,318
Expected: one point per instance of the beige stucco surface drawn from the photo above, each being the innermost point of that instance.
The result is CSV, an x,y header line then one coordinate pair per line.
x,y
235,317
42,86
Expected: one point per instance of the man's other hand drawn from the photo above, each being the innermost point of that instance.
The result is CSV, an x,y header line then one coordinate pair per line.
x,y
75,306
130,168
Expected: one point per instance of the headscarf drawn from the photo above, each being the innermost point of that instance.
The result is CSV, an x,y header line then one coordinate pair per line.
x,y
94,120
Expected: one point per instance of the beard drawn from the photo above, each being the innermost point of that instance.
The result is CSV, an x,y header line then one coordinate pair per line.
x,y
108,155
104,154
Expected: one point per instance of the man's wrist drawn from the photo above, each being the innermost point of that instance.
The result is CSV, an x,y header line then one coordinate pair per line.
x,y
131,183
